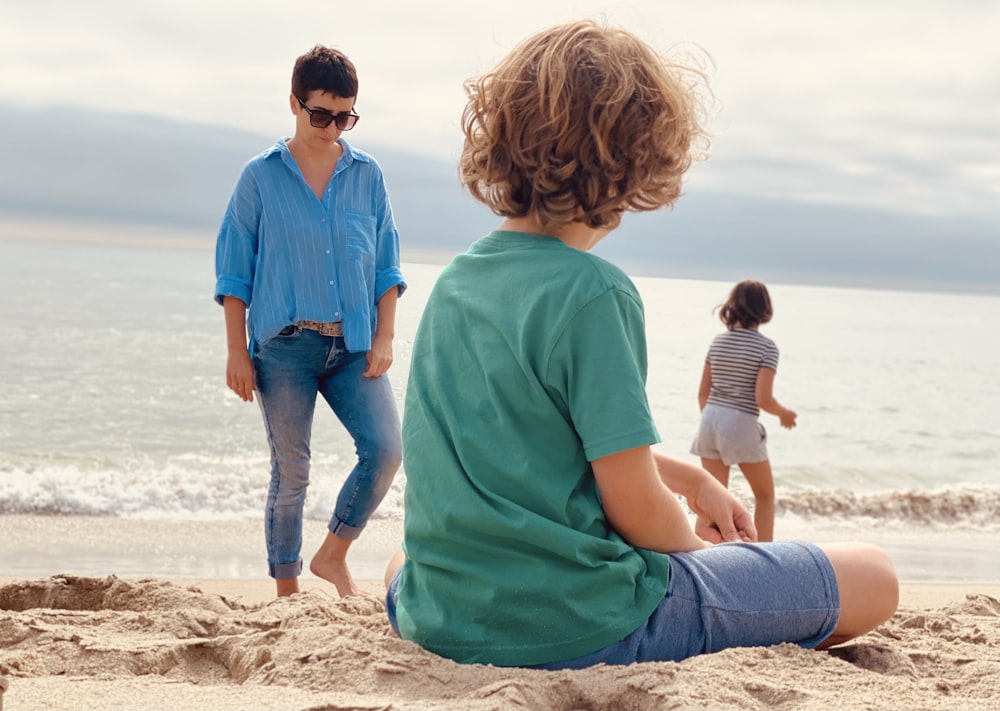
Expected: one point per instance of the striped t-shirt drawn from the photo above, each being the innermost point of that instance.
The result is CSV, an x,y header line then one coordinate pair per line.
x,y
735,357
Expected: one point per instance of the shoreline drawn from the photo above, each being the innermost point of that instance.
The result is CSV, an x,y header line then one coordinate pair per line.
x,y
39,546
35,546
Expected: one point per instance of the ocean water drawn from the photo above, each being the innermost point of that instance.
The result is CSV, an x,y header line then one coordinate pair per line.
x,y
114,402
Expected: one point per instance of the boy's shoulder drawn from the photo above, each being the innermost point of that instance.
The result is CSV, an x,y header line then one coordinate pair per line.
x,y
605,275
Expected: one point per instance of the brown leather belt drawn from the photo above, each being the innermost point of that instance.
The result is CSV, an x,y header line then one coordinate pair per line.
x,y
326,328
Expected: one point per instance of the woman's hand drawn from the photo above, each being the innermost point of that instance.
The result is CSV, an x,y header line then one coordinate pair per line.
x,y
379,357
239,374
239,368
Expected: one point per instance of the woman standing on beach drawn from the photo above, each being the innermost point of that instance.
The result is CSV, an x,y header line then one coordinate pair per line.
x,y
307,265
737,382
540,527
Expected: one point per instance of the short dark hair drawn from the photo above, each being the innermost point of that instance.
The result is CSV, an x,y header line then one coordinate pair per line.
x,y
748,305
326,69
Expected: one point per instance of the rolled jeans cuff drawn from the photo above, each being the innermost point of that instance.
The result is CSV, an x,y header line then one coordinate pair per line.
x,y
343,530
285,571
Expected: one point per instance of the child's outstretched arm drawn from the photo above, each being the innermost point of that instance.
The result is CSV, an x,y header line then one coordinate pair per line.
x,y
768,403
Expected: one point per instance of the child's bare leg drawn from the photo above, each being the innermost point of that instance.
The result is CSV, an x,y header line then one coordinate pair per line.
x,y
395,563
869,589
718,469
286,586
330,563
761,480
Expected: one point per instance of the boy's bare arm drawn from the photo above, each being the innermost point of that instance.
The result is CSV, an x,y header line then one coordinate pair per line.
x,y
714,505
638,505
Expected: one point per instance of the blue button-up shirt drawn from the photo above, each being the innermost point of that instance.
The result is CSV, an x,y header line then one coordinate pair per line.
x,y
293,257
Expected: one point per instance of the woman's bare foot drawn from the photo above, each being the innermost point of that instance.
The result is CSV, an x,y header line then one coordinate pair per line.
x,y
330,563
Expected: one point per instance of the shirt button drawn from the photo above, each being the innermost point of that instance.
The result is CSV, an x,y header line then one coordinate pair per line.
x,y
324,219
331,282
328,251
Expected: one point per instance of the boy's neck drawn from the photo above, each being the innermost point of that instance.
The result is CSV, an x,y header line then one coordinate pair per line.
x,y
576,234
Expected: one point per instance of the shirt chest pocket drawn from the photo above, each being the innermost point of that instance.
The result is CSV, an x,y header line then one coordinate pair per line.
x,y
361,249
361,238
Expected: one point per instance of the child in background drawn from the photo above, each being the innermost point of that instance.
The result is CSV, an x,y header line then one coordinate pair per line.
x,y
736,384
540,527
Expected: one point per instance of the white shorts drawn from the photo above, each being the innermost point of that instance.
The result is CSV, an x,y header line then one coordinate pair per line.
x,y
733,436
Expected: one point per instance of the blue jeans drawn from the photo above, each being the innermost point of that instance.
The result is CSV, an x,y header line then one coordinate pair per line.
x,y
289,371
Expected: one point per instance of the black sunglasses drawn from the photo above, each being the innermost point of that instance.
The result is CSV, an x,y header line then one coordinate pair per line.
x,y
321,118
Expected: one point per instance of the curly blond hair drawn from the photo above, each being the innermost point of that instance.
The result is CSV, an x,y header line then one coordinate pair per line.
x,y
581,123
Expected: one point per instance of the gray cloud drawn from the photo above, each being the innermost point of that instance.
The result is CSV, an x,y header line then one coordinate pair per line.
x,y
892,104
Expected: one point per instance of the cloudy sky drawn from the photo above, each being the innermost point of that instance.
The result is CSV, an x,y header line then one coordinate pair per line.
x,y
891,104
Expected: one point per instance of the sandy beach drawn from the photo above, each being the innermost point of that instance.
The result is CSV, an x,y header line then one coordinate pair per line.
x,y
162,641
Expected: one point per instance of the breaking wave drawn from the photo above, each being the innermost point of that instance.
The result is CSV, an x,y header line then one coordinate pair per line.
x,y
971,507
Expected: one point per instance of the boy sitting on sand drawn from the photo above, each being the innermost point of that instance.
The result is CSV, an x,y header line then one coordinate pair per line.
x,y
541,529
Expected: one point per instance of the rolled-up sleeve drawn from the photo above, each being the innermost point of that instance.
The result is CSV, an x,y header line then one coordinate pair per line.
x,y
387,271
236,246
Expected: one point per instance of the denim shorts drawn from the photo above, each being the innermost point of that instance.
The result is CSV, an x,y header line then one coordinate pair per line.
x,y
729,595
734,436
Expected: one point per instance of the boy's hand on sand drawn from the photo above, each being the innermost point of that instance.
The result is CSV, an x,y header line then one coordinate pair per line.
x,y
239,375
787,419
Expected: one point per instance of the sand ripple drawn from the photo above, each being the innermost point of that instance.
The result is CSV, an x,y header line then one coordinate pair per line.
x,y
312,651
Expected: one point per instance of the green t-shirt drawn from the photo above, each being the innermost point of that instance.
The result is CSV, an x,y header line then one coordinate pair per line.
x,y
528,364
